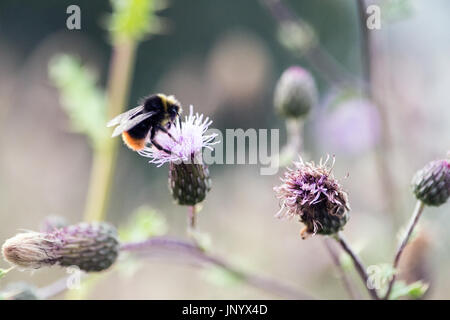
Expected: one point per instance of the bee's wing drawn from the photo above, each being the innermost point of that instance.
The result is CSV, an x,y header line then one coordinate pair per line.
x,y
128,124
125,116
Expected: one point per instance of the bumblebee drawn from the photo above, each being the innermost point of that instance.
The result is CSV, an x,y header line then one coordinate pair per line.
x,y
139,125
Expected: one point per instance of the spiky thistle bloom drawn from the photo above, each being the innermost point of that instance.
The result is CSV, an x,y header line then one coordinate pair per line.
x,y
90,246
311,193
295,93
189,179
431,184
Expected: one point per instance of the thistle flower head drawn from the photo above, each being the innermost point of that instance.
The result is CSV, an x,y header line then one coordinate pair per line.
x,y
431,184
311,192
189,139
91,247
295,93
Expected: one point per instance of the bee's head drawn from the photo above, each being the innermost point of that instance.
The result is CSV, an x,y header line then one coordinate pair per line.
x,y
174,107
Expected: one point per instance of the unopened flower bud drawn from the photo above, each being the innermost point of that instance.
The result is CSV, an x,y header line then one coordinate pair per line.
x,y
189,182
295,93
91,247
431,184
312,194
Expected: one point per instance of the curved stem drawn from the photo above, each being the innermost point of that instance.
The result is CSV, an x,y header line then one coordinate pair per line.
x,y
357,263
179,246
412,224
343,275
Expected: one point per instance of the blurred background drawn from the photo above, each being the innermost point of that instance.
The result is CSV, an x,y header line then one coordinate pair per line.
x,y
224,57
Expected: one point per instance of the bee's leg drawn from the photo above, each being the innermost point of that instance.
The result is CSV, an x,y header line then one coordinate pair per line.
x,y
156,144
163,129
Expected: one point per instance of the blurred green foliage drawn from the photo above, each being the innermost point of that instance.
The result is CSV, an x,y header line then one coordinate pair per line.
x,y
297,38
80,97
144,223
3,272
396,10
414,290
134,19
221,277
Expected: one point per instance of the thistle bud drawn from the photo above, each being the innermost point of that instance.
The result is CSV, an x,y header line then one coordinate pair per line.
x,y
295,93
91,247
431,184
312,194
189,183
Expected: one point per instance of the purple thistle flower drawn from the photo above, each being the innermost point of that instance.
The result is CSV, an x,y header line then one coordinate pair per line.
x,y
90,246
311,193
188,143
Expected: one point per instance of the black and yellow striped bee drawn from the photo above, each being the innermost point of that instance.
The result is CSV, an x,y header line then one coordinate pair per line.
x,y
139,125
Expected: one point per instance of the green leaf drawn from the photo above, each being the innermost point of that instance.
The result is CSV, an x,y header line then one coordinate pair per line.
x,y
414,290
82,100
134,19
145,222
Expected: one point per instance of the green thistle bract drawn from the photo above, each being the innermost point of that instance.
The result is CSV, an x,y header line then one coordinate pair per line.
x,y
431,184
189,183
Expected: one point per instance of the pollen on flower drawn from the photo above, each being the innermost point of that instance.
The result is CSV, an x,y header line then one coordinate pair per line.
x,y
311,193
189,139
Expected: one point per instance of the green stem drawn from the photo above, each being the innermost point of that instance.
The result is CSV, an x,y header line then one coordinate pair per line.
x,y
104,161
357,263
343,275
412,224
